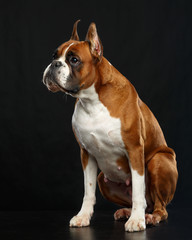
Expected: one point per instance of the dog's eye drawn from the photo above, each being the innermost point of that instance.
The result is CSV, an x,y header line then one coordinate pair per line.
x,y
73,60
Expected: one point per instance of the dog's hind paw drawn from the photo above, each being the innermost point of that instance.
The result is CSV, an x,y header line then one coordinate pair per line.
x,y
122,213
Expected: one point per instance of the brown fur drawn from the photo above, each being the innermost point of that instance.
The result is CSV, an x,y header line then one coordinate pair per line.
x,y
115,197
142,136
123,164
84,158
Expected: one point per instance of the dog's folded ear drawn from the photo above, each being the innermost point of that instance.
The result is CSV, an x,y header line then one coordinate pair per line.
x,y
75,35
96,47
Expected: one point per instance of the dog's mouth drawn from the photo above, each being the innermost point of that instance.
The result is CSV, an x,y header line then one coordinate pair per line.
x,y
74,90
52,87
55,87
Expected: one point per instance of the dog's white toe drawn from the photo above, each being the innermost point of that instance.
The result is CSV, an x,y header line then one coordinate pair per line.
x,y
135,225
80,221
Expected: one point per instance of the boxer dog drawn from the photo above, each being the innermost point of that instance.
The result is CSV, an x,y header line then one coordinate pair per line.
x,y
116,132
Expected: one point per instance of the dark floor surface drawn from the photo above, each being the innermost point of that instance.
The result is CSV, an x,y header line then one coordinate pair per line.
x,y
54,225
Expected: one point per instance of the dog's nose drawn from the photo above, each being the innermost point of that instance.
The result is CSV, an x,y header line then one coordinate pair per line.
x,y
56,64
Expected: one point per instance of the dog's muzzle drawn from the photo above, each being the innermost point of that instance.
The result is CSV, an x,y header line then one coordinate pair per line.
x,y
56,64
51,80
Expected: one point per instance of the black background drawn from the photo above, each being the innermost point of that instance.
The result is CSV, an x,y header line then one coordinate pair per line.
x,y
150,42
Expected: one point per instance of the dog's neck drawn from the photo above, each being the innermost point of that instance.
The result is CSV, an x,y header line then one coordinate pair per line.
x,y
101,78
89,99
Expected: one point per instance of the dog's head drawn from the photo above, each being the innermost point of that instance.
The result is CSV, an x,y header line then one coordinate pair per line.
x,y
74,63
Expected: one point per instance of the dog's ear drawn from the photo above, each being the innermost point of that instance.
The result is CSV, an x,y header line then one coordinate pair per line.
x,y
75,35
92,37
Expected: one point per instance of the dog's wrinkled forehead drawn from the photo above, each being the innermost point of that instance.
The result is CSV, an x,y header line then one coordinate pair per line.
x,y
62,50
79,48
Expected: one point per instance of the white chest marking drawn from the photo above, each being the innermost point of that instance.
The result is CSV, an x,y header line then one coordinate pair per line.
x,y
99,133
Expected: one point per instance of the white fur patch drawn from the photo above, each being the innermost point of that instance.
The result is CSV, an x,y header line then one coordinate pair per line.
x,y
64,71
84,215
63,57
99,133
136,221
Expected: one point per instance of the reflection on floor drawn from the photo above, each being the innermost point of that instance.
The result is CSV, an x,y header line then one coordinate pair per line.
x,y
54,225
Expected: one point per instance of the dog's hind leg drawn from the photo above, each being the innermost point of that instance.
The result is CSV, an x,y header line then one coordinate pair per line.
x,y
118,193
162,180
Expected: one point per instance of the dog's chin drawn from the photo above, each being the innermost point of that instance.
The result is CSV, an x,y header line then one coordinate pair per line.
x,y
53,87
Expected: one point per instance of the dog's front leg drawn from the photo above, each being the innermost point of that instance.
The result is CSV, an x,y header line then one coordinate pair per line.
x,y
136,221
82,219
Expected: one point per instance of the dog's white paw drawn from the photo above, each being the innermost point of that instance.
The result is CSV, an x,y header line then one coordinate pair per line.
x,y
135,225
80,221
